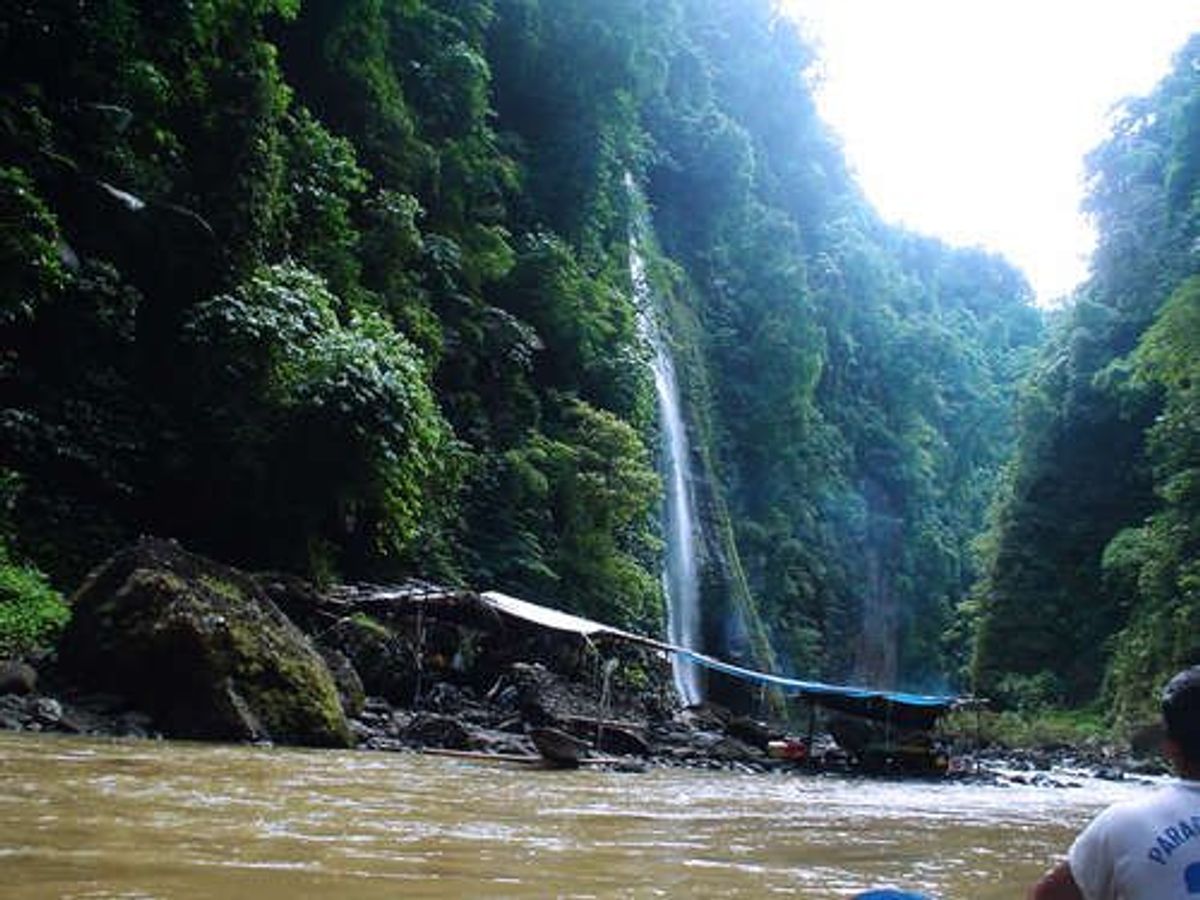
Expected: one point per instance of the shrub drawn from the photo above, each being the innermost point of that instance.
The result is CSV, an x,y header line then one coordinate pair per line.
x,y
1028,693
31,612
1016,730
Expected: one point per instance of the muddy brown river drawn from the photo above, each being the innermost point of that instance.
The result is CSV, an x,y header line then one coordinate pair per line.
x,y
105,819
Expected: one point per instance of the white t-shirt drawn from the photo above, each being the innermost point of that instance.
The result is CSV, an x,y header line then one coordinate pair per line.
x,y
1142,850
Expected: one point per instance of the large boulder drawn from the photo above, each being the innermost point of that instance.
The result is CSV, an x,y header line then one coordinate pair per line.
x,y
17,677
200,647
383,659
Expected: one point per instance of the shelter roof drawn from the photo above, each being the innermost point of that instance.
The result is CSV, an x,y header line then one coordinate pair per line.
x,y
899,706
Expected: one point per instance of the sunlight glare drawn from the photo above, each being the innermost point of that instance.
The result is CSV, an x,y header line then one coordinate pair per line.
x,y
970,120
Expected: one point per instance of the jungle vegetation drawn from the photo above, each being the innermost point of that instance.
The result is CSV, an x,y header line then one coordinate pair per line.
x,y
342,287
1091,585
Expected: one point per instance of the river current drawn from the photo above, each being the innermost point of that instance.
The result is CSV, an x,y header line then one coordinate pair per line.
x,y
105,819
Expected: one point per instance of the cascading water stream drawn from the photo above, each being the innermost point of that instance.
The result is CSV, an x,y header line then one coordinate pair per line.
x,y
680,582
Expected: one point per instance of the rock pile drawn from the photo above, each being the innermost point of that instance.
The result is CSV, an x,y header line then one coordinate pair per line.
x,y
165,642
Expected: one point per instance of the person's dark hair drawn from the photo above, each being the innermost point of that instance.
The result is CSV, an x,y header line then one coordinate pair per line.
x,y
1181,711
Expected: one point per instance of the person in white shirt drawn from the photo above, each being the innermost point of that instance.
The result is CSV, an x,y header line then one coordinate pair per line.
x,y
1145,849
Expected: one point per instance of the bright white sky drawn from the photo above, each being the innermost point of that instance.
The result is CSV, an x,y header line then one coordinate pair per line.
x,y
969,119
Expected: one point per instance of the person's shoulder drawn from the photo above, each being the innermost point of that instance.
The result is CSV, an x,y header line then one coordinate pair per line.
x,y
1154,800
1110,818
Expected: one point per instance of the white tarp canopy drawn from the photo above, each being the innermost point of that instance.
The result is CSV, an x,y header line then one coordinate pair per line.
x,y
550,618
852,699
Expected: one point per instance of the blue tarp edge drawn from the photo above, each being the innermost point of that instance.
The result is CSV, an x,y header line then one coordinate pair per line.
x,y
551,618
816,688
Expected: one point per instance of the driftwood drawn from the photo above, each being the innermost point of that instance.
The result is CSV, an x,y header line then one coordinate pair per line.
x,y
593,723
526,759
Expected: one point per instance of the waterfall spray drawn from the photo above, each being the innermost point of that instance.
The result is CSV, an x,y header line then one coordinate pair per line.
x,y
680,582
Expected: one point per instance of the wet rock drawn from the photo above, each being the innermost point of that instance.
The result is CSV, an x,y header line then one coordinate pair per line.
x,y
377,706
401,719
201,648
730,749
705,749
46,711
299,600
105,714
447,698
384,661
350,688
12,713
17,677
547,699
504,695
435,730
670,733
37,713
371,723
622,742
100,704
500,742
557,746
757,734
362,731
377,720
1149,767
242,712
384,744
705,717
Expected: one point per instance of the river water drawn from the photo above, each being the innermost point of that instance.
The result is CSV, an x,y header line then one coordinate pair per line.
x,y
106,819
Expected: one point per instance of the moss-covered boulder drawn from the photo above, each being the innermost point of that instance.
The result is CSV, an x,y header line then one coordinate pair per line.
x,y
384,659
201,647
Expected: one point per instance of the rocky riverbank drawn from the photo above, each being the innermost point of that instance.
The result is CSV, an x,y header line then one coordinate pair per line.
x,y
164,643
449,717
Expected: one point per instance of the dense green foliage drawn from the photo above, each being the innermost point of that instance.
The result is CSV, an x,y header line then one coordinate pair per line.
x,y
1163,633
861,377
273,286
343,287
1091,557
31,612
274,370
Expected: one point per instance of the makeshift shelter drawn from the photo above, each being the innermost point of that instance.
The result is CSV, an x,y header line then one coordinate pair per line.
x,y
895,708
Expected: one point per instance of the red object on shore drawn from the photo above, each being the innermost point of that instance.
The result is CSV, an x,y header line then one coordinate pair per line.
x,y
792,749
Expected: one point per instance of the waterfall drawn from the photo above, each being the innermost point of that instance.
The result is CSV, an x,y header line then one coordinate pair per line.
x,y
680,582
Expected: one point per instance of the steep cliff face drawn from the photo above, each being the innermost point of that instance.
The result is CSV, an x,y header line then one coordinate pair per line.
x,y
1089,584
850,385
727,621
343,288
